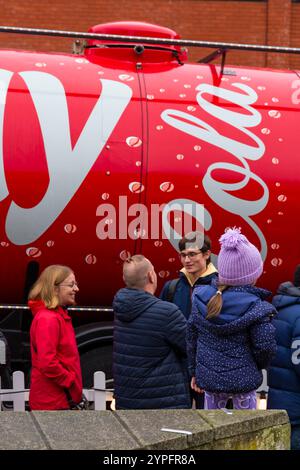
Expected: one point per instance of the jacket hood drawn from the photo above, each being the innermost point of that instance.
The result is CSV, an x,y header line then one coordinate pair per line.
x,y
287,294
130,303
35,306
239,307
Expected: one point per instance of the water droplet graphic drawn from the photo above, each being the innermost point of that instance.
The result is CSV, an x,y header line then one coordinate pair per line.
x,y
90,259
282,198
126,78
133,141
108,221
276,262
274,114
164,274
138,233
70,228
124,255
166,187
33,252
136,187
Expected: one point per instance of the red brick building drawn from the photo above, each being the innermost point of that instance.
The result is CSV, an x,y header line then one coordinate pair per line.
x,y
270,22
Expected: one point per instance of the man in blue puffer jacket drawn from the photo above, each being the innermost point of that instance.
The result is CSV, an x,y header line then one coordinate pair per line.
x,y
284,373
149,355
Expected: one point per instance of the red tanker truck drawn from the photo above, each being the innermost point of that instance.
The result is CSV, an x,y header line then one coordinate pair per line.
x,y
122,147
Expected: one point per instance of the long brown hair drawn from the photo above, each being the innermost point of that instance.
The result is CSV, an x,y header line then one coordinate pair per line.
x,y
45,288
215,304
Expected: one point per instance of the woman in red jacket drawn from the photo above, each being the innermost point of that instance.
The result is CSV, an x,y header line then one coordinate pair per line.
x,y
56,373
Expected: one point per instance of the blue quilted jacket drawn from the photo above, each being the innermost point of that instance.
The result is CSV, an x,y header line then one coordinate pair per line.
x,y
226,353
149,355
284,373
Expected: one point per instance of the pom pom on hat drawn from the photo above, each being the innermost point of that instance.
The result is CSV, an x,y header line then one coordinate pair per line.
x,y
239,262
231,238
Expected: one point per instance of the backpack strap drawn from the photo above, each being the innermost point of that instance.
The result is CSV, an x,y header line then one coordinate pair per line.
x,y
171,290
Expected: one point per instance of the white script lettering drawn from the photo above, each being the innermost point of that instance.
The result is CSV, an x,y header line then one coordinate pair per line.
x,y
220,192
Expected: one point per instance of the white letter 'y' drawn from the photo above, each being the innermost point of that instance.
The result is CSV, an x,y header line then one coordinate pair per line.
x,y
67,167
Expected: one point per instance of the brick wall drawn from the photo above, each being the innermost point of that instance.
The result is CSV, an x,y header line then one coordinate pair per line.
x,y
257,22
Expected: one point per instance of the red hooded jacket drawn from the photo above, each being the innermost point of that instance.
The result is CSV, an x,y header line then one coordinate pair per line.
x,y
55,359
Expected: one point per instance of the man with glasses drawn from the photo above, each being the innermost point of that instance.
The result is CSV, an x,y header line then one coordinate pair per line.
x,y
194,253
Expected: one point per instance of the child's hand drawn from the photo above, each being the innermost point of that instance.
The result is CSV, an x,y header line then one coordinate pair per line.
x,y
195,387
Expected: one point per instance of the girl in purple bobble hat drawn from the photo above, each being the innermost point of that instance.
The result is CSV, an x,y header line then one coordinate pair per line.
x,y
230,335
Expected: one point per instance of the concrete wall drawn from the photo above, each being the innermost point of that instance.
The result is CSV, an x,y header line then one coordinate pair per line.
x,y
141,429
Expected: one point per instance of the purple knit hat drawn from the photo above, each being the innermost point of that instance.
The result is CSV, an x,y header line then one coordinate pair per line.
x,y
239,262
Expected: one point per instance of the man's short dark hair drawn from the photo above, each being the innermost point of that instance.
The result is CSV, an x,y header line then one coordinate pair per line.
x,y
196,240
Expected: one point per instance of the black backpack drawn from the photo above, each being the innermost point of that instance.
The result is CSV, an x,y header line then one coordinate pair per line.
x,y
171,290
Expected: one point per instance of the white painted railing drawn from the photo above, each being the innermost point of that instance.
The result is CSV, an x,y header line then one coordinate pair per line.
x,y
19,395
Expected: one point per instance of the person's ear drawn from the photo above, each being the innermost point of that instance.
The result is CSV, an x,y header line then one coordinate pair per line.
x,y
207,254
151,277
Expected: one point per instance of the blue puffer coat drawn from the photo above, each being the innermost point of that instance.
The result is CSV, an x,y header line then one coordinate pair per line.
x,y
149,357
284,373
226,353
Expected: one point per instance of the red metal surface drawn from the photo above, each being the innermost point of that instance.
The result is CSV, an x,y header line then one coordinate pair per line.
x,y
112,127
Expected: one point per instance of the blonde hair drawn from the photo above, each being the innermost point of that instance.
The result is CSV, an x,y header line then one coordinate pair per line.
x,y
215,304
45,287
135,271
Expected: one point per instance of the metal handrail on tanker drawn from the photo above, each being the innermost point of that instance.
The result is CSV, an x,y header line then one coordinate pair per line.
x,y
149,40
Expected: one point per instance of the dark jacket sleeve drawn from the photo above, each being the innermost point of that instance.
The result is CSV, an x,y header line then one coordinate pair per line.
x,y
262,335
164,291
176,330
295,352
191,339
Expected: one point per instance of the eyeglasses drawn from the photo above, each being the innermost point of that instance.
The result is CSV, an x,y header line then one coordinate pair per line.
x,y
72,285
190,255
